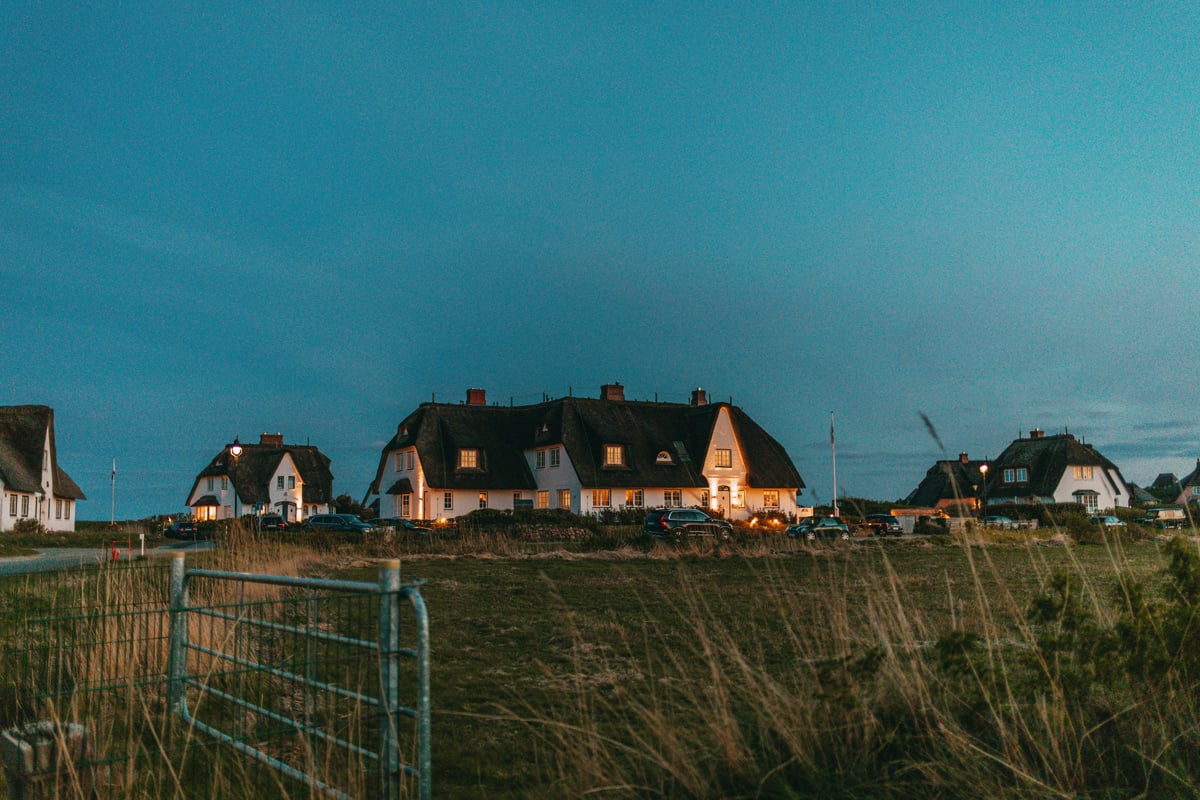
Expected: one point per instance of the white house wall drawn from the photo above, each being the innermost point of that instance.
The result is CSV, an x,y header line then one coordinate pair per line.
x,y
557,479
1100,483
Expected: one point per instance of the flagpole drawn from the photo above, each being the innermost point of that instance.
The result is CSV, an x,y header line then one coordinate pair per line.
x,y
113,507
833,452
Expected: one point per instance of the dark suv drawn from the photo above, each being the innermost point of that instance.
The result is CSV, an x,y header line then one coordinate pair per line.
x,y
883,525
685,522
335,522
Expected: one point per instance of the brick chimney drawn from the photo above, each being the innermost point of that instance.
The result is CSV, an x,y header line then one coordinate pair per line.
x,y
699,397
1036,433
962,458
612,391
476,397
271,439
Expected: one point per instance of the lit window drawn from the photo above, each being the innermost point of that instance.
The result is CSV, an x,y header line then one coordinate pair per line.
x,y
673,498
723,457
704,498
663,457
770,499
448,501
406,505
291,481
543,498
1082,473
468,458
279,482
564,498
614,455
554,456
634,498
540,459
483,499
601,498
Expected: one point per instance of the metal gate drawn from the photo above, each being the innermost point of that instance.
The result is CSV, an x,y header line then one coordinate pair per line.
x,y
305,675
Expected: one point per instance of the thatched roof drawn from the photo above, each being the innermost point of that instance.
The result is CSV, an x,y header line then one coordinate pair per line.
x,y
23,435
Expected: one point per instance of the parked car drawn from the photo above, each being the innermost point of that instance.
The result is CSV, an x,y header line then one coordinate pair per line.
x,y
1108,521
883,525
182,529
1164,518
997,521
685,522
398,524
271,522
820,528
335,522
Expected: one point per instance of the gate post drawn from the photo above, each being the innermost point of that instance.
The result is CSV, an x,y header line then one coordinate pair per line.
x,y
177,657
389,679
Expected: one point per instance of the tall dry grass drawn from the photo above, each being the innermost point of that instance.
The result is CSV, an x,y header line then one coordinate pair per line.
x,y
853,692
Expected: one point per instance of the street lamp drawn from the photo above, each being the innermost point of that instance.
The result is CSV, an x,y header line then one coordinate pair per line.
x,y
235,451
983,471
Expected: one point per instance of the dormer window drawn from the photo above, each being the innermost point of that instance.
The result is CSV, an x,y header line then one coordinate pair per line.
x,y
469,458
1016,475
614,455
663,457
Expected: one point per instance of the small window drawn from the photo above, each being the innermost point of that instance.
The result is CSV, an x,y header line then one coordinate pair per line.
x,y
25,506
399,462
673,498
291,481
1196,490
704,498
723,457
543,498
614,455
279,482
601,498
663,457
448,501
57,508
554,456
1010,475
517,498
564,498
483,500
12,505
770,499
1022,474
224,482
67,509
1082,473
634,498
406,505
468,458
412,459
540,459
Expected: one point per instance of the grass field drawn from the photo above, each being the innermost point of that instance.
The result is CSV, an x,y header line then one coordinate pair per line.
x,y
632,674
770,668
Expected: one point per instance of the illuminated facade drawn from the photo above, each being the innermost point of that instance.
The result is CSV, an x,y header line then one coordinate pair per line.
x,y
583,455
270,477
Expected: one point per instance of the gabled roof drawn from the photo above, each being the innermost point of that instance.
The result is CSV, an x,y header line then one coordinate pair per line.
x,y
23,433
1047,459
251,477
1191,479
952,480
583,427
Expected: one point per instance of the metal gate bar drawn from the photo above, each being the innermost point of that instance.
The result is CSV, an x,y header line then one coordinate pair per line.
x,y
386,647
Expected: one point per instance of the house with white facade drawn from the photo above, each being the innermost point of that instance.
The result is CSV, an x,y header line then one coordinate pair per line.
x,y
583,455
1055,469
32,484
270,477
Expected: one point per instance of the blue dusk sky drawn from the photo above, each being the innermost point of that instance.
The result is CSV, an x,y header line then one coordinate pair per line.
x,y
308,218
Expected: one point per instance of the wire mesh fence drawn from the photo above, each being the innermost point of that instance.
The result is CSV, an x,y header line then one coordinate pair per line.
x,y
270,686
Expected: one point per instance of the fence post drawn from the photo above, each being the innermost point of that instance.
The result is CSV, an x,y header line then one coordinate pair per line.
x,y
424,701
389,679
177,657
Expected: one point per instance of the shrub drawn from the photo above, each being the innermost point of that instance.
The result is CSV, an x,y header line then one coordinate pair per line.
x,y
29,527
